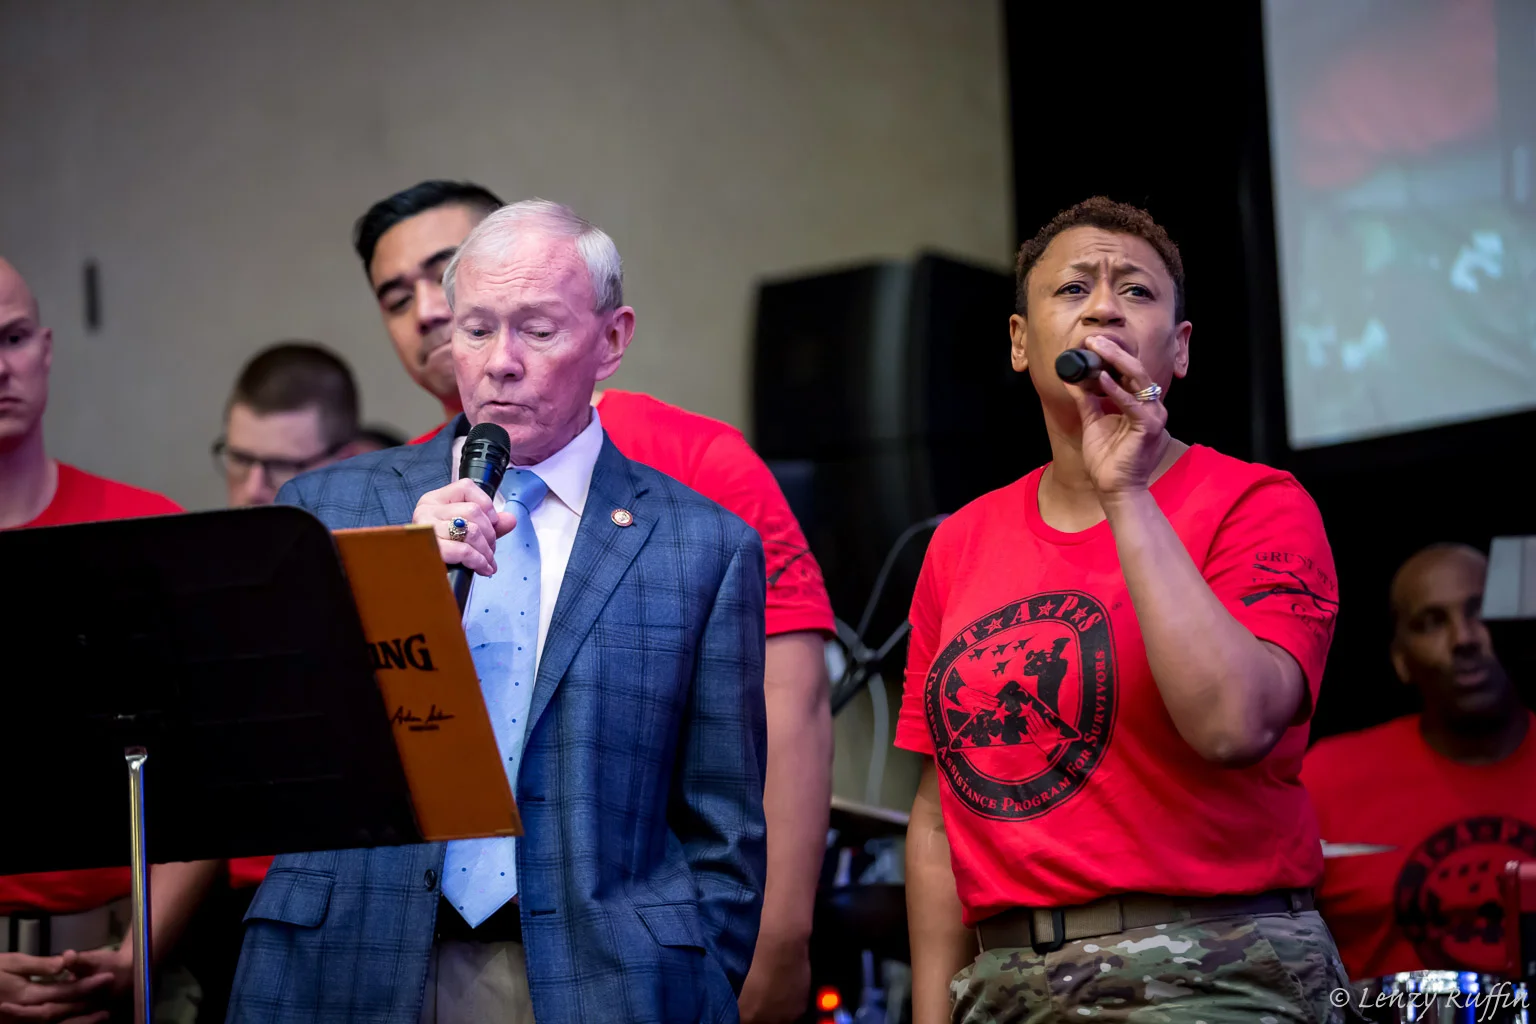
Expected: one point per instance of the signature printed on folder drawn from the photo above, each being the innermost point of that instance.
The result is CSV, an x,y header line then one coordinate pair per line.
x,y
414,722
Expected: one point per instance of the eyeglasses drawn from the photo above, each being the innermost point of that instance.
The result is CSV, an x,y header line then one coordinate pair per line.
x,y
238,464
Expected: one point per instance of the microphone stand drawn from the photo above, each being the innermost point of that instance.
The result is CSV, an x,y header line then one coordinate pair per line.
x,y
863,660
861,670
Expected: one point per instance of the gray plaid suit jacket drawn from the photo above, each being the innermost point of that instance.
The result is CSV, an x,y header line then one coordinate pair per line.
x,y
641,785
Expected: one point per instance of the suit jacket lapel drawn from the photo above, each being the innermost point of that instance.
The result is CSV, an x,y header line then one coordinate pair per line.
x,y
425,468
601,555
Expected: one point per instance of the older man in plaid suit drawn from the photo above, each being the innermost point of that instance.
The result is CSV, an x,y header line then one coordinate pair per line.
x,y
616,621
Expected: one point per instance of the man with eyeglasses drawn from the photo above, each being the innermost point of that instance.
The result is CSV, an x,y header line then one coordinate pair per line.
x,y
293,409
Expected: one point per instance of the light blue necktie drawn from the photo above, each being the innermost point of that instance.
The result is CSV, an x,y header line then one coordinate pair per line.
x,y
501,623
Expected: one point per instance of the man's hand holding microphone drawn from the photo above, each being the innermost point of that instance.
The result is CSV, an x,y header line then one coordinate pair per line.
x,y
464,500
463,514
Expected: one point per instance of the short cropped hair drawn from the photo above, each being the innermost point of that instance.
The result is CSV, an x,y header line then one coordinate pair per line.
x,y
1427,554
494,235
1107,215
419,198
294,375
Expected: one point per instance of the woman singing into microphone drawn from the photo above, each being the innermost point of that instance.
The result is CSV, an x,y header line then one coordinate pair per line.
x,y
1112,666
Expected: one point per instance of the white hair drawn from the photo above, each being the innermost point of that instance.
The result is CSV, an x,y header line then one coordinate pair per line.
x,y
495,235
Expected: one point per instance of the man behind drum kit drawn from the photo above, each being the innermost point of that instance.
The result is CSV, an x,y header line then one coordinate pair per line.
x,y
1420,816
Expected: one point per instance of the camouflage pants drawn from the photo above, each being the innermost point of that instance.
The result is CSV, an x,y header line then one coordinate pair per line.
x,y
1274,969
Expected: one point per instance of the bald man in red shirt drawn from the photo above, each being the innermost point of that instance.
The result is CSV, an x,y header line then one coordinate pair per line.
x,y
1420,814
83,912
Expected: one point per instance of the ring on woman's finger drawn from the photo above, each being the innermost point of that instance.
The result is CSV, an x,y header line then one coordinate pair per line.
x,y
458,530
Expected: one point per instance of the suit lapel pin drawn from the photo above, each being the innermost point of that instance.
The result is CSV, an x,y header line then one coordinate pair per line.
x,y
622,517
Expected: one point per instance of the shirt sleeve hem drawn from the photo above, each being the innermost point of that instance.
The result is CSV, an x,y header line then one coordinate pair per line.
x,y
915,740
800,622
1313,681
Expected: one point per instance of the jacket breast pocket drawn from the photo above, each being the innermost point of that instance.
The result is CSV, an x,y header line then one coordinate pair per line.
x,y
293,897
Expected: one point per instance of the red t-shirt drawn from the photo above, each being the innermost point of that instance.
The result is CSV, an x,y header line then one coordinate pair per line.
x,y
1414,844
247,872
714,459
429,435
1064,779
81,498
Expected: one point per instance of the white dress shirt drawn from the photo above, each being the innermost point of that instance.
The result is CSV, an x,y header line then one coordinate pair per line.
x,y
568,475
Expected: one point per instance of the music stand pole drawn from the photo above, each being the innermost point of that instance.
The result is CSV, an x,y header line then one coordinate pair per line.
x,y
142,961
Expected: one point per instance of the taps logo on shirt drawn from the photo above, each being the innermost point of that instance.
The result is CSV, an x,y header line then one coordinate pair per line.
x,y
1447,895
1021,704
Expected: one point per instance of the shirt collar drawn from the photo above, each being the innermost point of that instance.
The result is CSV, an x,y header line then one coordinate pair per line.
x,y
568,472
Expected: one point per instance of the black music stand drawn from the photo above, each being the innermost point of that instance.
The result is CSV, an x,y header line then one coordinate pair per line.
x,y
218,653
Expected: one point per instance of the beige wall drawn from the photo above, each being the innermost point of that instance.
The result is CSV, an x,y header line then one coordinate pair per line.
x,y
211,157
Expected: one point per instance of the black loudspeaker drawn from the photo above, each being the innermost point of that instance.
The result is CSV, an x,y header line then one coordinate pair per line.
x,y
883,395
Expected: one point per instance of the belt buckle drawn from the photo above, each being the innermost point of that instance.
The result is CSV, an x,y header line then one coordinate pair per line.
x,y
1058,933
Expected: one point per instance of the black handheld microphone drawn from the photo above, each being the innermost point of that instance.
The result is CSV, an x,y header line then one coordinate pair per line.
x,y
1076,365
487,450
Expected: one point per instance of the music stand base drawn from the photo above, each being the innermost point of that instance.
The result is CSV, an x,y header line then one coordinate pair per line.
x,y
136,756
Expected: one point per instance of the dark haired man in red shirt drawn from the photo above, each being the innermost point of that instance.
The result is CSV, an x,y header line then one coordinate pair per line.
x,y
1112,665
82,913
404,242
